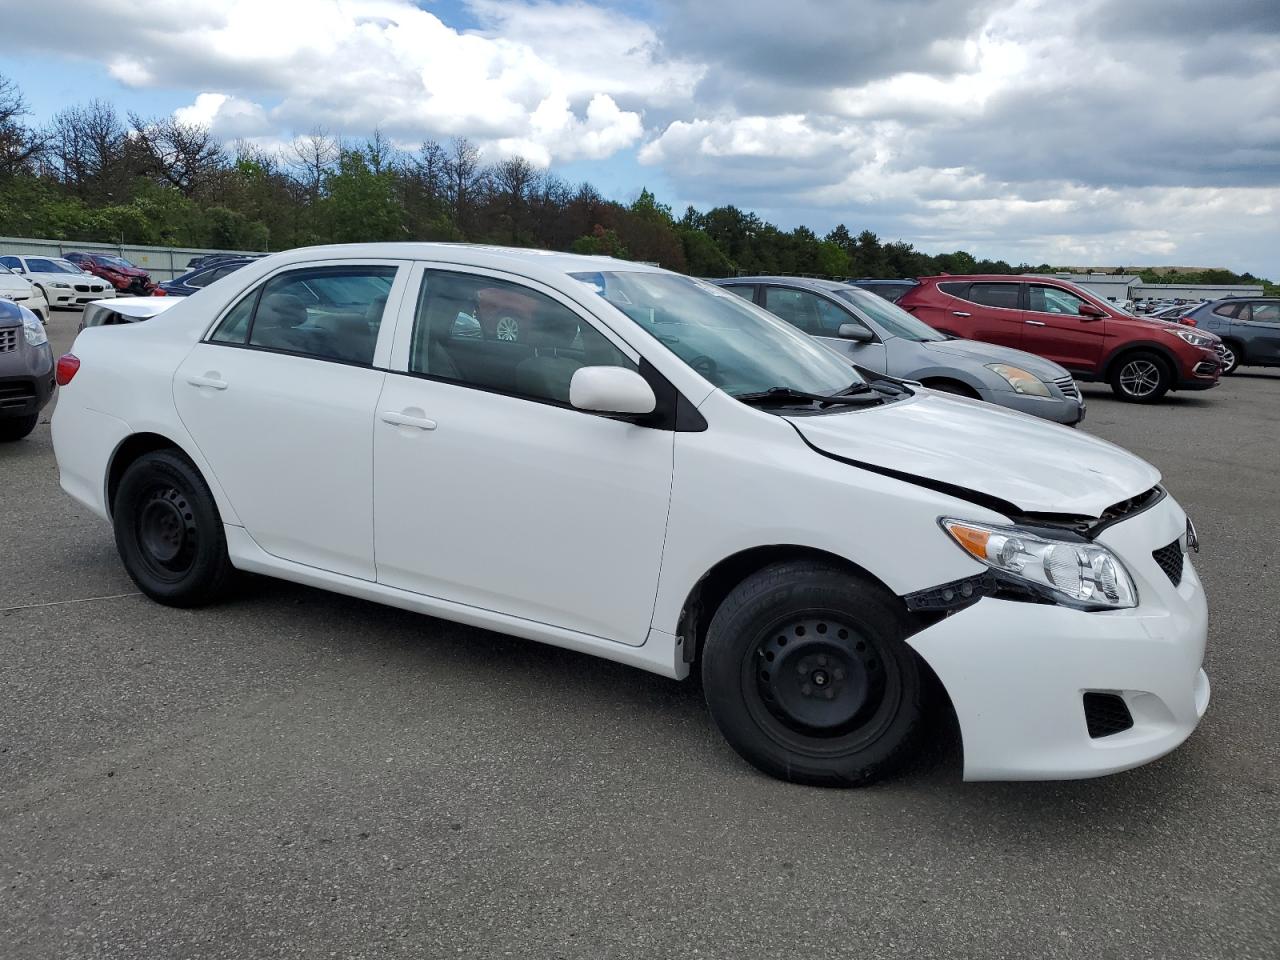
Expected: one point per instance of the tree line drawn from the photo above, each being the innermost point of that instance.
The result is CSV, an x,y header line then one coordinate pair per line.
x,y
94,174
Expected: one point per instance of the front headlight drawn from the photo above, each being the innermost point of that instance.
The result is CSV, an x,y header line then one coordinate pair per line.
x,y
1193,338
33,329
1020,380
60,285
1081,575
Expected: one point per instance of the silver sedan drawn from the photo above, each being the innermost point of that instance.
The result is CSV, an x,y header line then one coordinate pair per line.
x,y
880,336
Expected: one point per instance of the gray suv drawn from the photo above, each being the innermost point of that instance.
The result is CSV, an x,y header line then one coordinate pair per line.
x,y
1249,328
26,370
880,336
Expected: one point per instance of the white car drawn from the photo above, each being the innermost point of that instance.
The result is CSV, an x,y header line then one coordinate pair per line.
x,y
60,282
656,472
15,288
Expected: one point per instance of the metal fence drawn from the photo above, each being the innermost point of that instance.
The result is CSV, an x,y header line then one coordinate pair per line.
x,y
163,263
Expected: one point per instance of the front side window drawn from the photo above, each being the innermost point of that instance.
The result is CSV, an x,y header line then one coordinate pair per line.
x,y
732,344
501,336
1265,313
805,311
330,313
893,320
1054,300
1004,295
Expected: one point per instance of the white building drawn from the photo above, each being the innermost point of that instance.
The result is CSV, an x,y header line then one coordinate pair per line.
x,y
1121,287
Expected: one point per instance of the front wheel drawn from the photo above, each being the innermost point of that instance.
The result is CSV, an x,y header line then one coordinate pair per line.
x,y
15,428
807,674
169,533
1141,378
1230,357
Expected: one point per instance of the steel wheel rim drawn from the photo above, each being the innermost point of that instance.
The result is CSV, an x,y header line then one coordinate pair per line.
x,y
166,531
1139,378
507,328
800,649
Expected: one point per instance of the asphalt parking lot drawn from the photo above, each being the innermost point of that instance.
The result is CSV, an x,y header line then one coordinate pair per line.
x,y
297,774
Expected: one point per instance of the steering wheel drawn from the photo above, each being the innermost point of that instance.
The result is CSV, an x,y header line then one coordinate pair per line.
x,y
707,367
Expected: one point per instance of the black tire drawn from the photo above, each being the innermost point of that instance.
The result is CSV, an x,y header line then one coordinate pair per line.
x,y
1141,377
169,533
15,428
807,675
1234,352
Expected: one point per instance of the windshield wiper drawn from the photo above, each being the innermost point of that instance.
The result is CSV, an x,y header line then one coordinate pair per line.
x,y
856,393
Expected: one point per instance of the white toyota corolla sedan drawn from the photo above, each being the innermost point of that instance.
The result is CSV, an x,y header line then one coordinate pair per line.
x,y
631,463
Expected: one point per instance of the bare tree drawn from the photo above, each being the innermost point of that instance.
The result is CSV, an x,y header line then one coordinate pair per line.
x,y
512,182
88,149
379,152
464,180
184,155
313,156
20,146
429,166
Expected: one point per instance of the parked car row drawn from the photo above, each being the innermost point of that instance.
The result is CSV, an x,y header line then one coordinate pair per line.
x,y
744,479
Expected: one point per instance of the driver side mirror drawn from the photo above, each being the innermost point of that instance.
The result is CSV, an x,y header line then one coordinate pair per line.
x,y
855,331
611,390
1089,312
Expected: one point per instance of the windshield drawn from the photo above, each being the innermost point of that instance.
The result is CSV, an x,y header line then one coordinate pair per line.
x,y
733,344
117,262
42,265
895,321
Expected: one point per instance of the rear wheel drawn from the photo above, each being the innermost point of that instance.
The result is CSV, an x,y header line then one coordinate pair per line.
x,y
1141,378
168,531
807,675
15,428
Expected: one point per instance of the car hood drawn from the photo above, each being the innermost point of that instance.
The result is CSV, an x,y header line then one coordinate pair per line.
x,y
1037,466
993,353
12,284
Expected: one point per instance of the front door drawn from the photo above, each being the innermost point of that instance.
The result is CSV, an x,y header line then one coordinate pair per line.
x,y
1258,325
1056,330
280,399
490,489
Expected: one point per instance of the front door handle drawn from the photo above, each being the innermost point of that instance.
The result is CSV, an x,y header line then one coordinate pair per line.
x,y
407,420
210,380
960,313
1036,323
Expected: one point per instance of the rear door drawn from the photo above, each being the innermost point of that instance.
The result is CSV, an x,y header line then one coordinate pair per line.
x,y
1258,325
987,310
280,398
1055,329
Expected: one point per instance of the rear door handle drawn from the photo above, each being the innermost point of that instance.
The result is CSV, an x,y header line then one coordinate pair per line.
x,y
1036,323
960,313
210,380
407,420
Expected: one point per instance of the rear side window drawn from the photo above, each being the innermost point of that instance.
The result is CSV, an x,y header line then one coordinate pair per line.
x,y
994,295
745,291
955,289
330,313
11,262
500,336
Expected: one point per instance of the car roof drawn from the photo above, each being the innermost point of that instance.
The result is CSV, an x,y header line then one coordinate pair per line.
x,y
814,283
524,261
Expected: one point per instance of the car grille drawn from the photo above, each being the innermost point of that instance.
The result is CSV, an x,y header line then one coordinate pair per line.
x,y
1106,714
1170,559
8,339
1068,387
83,288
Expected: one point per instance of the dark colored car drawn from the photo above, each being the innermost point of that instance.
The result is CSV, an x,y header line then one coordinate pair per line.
x,y
1141,358
199,278
118,271
209,259
891,290
1249,328
26,370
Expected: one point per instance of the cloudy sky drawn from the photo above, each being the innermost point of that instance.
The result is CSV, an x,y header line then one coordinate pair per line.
x,y
1092,132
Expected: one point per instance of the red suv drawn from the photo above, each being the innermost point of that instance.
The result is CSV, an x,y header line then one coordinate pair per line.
x,y
117,271
1142,359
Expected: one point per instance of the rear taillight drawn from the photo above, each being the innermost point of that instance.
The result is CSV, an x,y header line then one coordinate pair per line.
x,y
68,364
159,292
1189,321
